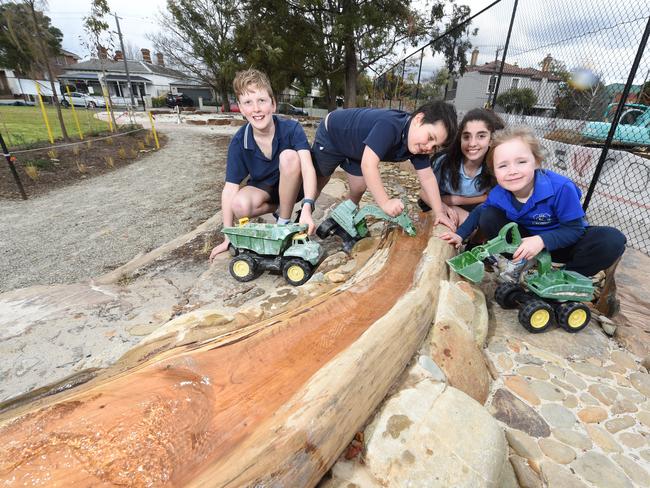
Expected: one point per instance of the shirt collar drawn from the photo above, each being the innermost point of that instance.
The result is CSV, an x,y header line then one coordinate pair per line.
x,y
249,140
462,171
543,187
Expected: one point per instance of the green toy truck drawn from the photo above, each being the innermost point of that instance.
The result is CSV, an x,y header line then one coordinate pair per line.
x,y
546,295
268,247
349,223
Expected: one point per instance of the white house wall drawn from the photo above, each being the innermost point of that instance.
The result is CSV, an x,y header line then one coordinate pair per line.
x,y
28,87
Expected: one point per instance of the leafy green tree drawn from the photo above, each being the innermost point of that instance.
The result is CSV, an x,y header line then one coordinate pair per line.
x,y
199,36
28,42
518,100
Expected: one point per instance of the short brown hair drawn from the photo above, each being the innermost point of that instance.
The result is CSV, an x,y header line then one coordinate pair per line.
x,y
517,132
244,80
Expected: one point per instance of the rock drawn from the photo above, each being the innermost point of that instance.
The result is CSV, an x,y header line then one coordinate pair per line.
x,y
603,393
534,372
517,415
528,359
504,362
641,381
592,370
456,352
632,394
526,476
497,346
546,391
645,454
573,438
632,440
644,418
333,262
557,451
520,386
623,406
349,474
557,415
618,424
587,399
336,277
560,477
602,438
599,470
592,415
563,385
525,446
575,380
570,401
436,374
645,362
555,370
634,470
459,303
451,440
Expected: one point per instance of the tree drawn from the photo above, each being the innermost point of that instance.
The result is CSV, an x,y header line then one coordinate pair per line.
x,y
644,93
518,100
28,42
199,35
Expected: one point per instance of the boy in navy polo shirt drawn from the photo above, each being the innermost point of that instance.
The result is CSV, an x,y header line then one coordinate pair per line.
x,y
358,139
273,153
546,206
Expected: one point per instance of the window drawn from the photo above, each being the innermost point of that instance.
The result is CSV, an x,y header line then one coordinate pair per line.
x,y
514,83
492,84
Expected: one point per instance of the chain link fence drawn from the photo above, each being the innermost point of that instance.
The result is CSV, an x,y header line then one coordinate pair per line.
x,y
578,73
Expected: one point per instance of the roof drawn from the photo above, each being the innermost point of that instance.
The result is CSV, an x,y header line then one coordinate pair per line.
x,y
68,53
510,69
134,67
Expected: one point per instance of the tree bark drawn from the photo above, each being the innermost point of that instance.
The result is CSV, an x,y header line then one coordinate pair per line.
x,y
271,404
351,72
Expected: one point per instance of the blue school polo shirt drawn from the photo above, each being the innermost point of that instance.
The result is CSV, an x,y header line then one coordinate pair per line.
x,y
467,185
245,157
555,200
384,131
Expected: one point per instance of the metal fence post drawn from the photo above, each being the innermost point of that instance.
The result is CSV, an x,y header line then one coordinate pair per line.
x,y
505,52
12,167
417,88
617,116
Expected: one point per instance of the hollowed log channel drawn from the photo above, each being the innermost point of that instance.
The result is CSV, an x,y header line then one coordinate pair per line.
x,y
246,411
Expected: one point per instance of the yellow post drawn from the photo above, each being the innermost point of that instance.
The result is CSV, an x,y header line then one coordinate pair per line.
x,y
108,109
74,113
153,129
47,122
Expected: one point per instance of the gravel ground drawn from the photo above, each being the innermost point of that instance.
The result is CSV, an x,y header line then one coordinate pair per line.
x,y
84,230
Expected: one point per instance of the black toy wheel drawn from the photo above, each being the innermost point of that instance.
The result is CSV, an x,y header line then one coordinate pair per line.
x,y
573,316
243,268
296,271
326,228
505,295
536,316
232,250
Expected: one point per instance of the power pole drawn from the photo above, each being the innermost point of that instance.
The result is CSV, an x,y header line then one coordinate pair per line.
x,y
126,65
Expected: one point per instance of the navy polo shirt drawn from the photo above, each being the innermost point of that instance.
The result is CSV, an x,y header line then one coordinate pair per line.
x,y
382,130
245,157
555,200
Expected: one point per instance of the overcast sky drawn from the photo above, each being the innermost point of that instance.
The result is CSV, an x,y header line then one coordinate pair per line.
x,y
601,35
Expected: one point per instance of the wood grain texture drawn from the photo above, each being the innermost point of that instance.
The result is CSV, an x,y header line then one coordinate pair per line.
x,y
272,404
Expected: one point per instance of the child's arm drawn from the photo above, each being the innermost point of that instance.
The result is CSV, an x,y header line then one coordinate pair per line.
x,y
465,230
227,196
309,188
460,200
370,170
429,185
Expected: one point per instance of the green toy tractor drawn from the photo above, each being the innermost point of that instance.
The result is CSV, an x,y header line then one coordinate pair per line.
x,y
268,247
545,296
349,223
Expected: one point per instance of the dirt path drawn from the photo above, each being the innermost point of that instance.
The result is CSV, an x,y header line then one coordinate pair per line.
x,y
75,233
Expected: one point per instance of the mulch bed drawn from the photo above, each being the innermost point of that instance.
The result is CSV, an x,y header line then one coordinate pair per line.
x,y
45,169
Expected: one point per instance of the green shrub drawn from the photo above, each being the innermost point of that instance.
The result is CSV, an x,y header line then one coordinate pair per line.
x,y
160,101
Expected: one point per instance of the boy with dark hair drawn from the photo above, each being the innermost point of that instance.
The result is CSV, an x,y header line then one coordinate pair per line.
x,y
358,139
273,153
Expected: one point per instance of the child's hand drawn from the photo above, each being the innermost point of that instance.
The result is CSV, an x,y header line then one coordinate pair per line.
x,y
306,218
444,220
223,247
452,238
452,214
529,248
393,207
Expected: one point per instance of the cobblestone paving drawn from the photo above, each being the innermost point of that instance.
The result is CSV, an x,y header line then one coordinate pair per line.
x,y
579,415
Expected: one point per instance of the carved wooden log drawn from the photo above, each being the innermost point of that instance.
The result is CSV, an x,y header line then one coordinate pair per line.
x,y
272,404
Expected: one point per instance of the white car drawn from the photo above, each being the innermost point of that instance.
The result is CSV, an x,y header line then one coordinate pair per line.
x,y
82,100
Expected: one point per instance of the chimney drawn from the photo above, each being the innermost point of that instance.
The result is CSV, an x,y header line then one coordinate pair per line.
x,y
546,63
102,52
159,59
474,57
118,56
146,55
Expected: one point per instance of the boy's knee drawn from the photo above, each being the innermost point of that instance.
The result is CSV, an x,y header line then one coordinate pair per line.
x,y
289,162
614,240
241,207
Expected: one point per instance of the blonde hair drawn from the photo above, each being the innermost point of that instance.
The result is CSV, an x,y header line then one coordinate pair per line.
x,y
517,132
245,80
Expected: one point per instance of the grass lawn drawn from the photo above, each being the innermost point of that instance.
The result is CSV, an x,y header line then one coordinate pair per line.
x,y
24,125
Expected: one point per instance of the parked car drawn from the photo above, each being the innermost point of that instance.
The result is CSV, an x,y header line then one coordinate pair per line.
x,y
288,109
633,128
82,100
178,100
233,107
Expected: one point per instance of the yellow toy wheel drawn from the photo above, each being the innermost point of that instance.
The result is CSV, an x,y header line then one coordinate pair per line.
x,y
243,267
573,316
536,316
296,271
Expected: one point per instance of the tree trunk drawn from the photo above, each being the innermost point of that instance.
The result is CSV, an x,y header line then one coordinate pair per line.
x,y
330,96
350,72
270,404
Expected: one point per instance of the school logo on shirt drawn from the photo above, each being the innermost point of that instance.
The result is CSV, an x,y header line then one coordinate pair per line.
x,y
542,218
